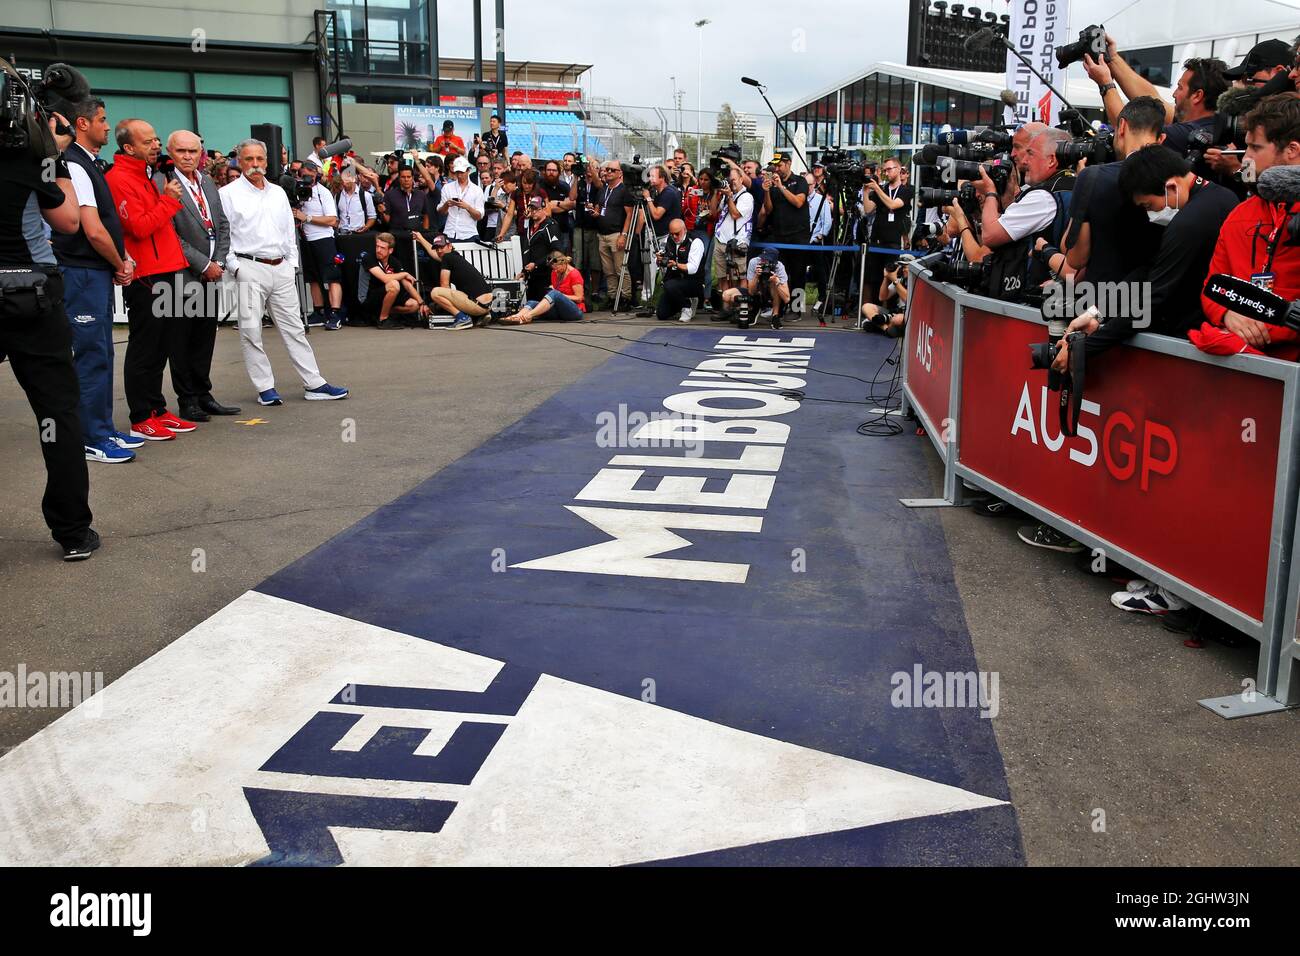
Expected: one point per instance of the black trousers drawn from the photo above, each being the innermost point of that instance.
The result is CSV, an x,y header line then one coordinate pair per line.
x,y
39,347
190,342
677,294
796,266
150,303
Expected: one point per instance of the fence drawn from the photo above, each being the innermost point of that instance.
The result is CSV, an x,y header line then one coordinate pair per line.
x,y
1165,431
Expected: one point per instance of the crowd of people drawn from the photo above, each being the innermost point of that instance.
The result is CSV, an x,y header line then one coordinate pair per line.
x,y
1179,203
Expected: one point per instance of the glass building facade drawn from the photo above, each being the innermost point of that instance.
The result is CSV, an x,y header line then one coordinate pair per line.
x,y
879,110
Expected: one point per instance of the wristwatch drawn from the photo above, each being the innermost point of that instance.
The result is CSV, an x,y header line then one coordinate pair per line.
x,y
1103,90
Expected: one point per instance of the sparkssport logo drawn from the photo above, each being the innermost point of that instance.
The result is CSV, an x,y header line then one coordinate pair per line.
x,y
77,909
1117,447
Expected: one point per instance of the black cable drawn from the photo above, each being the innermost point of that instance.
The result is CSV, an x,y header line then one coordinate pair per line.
x,y
886,424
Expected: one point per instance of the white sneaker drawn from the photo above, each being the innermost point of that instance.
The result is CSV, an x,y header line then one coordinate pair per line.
x,y
687,314
1149,599
765,314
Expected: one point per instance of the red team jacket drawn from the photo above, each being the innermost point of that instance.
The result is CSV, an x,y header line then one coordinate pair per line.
x,y
146,218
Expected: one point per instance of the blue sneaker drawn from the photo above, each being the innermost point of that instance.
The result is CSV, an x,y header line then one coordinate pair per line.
x,y
269,397
462,322
316,318
108,451
126,441
334,322
325,393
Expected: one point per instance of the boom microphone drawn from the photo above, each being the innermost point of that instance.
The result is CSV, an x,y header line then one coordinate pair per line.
x,y
750,81
336,149
1246,298
1008,98
1280,184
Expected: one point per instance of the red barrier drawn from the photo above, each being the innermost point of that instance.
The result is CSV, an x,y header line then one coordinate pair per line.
x,y
930,341
1176,461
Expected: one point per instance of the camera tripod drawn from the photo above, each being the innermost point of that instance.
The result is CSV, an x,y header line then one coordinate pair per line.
x,y
843,236
639,215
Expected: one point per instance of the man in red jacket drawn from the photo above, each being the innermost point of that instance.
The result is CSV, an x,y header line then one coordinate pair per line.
x,y
1254,243
157,291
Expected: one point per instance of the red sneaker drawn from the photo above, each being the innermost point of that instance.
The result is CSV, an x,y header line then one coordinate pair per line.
x,y
174,424
151,429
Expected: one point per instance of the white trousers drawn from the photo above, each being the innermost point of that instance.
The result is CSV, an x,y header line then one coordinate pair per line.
x,y
258,284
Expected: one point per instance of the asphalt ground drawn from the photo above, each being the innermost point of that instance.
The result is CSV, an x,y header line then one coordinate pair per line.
x,y
1109,759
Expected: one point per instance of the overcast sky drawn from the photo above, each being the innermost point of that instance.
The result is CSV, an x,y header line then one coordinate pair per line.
x,y
635,49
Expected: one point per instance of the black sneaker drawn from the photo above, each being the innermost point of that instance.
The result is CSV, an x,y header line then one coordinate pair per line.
x,y
1041,536
995,508
82,551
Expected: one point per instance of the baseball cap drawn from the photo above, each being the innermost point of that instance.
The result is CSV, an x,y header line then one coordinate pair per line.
x,y
447,124
537,202
781,156
460,165
1262,56
440,241
770,255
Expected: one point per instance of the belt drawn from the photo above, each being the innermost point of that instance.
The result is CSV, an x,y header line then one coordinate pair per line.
x,y
265,262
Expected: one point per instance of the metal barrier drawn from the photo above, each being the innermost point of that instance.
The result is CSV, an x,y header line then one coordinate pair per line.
x,y
1184,469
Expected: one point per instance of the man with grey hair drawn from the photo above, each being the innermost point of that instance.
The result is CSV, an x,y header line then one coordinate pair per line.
x,y
263,260
1033,212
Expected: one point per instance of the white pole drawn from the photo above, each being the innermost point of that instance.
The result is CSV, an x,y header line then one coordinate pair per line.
x,y
699,99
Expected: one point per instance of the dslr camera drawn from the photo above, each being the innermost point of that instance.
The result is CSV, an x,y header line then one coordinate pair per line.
x,y
716,165
1092,41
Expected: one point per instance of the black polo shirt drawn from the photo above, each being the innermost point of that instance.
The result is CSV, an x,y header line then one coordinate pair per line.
x,y
669,200
463,275
788,223
558,192
611,208
541,244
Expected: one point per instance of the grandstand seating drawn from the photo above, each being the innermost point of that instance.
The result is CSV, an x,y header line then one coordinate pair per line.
x,y
549,134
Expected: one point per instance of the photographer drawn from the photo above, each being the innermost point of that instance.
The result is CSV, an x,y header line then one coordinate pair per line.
x,y
665,200
586,238
612,210
1192,211
93,259
34,329
1255,242
1108,234
732,235
765,280
891,202
462,203
682,260
356,205
891,313
406,205
495,141
964,235
151,298
448,144
317,217
785,201
461,291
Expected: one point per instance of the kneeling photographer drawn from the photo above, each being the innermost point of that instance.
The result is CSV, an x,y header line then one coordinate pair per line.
x,y
890,314
766,292
682,260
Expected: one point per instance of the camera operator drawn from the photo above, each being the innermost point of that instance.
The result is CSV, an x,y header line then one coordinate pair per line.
x,y
664,204
785,201
34,328
1192,212
890,314
204,235
1011,234
151,297
586,245
462,203
461,290
93,259
1107,233
891,201
263,259
766,277
732,235
318,216
1255,241
682,260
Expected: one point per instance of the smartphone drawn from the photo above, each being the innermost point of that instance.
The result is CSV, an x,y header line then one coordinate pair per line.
x,y
1233,152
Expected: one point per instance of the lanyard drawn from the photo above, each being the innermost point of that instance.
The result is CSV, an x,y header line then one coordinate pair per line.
x,y
604,202
196,193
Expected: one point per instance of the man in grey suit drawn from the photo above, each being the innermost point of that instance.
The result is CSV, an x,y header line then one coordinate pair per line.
x,y
204,232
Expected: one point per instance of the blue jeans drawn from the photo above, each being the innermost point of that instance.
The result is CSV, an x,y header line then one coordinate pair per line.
x,y
88,300
562,307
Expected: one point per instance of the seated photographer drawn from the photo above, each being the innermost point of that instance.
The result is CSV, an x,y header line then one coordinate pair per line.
x,y
461,290
565,300
682,260
1192,211
384,290
1255,242
766,279
891,313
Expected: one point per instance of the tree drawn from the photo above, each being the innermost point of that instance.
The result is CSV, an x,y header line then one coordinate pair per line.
x,y
726,127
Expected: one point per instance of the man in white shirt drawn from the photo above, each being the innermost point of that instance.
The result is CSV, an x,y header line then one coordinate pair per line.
x,y
1034,209
263,260
356,206
462,203
319,215
682,261
735,222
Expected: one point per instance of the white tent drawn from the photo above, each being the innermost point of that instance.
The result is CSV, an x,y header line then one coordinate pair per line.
x,y
1149,23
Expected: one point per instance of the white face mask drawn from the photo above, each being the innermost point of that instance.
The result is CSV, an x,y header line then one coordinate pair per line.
x,y
1164,216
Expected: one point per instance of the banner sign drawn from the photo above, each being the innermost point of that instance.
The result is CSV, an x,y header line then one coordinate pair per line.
x,y
929,355
416,127
1175,461
1037,28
